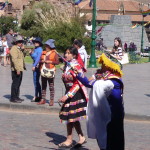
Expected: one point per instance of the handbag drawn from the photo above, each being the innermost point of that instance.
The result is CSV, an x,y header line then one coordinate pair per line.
x,y
1,49
125,59
47,73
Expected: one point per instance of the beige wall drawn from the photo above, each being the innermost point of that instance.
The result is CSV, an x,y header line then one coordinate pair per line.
x,y
18,4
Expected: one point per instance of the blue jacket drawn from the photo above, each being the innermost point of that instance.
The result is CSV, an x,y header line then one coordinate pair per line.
x,y
36,55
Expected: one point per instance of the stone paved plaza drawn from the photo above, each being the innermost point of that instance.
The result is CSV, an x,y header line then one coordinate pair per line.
x,y
136,89
28,131
21,129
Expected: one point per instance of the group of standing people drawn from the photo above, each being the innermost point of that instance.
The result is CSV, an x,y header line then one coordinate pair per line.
x,y
47,59
103,108
6,42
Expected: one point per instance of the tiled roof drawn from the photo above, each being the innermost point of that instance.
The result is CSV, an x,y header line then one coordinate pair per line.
x,y
105,8
18,4
113,5
106,17
143,1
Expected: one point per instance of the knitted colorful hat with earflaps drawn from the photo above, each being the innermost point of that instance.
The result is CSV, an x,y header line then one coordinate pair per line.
x,y
111,63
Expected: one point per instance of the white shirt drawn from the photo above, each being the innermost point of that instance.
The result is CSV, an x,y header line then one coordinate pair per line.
x,y
6,46
83,55
98,111
0,43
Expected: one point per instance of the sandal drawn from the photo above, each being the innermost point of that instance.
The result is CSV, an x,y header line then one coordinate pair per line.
x,y
51,103
63,145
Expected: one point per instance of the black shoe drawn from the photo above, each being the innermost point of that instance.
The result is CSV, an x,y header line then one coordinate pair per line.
x,y
15,101
20,99
78,145
38,99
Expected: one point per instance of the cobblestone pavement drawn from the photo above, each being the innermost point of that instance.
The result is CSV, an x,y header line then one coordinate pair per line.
x,y
28,131
136,90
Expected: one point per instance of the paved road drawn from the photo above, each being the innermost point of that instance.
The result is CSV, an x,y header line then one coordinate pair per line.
x,y
136,91
26,131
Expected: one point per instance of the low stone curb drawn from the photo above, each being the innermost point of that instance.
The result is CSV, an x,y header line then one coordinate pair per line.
x,y
56,109
137,117
29,108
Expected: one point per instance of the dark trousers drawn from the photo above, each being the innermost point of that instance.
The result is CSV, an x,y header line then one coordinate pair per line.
x,y
115,135
16,82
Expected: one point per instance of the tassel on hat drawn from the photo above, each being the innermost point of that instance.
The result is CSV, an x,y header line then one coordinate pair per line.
x,y
104,60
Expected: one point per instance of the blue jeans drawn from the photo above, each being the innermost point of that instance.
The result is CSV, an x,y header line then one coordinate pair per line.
x,y
37,86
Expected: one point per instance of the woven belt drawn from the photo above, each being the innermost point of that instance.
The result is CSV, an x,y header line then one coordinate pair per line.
x,y
69,84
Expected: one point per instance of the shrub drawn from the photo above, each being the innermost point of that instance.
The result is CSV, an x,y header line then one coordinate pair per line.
x,y
6,23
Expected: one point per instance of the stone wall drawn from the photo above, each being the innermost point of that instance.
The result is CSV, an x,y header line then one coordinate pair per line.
x,y
121,26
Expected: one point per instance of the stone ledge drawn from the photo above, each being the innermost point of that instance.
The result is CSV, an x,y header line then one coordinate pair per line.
x,y
56,109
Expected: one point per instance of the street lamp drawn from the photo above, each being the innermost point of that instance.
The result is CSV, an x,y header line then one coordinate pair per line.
x,y
142,35
92,62
141,9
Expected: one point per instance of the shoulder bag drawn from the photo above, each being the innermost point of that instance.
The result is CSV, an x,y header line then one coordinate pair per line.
x,y
1,49
47,73
125,59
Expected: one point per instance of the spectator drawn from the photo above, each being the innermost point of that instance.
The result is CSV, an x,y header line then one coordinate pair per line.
x,y
125,47
81,50
4,44
117,51
17,67
36,55
49,59
132,47
1,50
10,38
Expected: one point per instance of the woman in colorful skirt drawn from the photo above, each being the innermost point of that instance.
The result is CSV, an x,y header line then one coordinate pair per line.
x,y
74,101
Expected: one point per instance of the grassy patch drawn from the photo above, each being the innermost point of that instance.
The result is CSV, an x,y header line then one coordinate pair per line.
x,y
28,60
144,59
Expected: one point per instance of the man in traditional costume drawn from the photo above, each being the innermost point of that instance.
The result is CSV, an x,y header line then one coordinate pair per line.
x,y
105,111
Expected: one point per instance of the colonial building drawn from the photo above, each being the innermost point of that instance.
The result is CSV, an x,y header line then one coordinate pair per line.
x,y
15,7
106,8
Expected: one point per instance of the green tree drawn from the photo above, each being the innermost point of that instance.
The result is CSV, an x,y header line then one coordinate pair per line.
x,y
29,26
41,17
49,21
6,23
